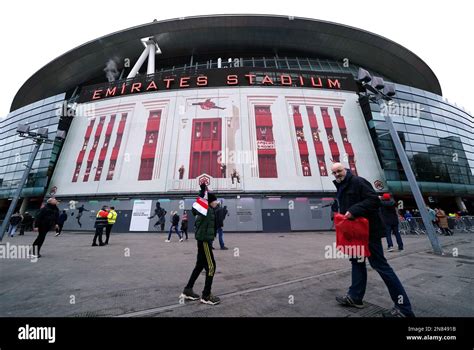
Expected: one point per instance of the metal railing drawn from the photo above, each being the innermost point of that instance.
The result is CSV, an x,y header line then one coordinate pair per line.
x,y
415,225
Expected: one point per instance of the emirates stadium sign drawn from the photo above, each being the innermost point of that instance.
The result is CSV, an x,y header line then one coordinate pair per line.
x,y
231,77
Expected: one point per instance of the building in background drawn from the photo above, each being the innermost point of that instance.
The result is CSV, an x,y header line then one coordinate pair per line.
x,y
258,107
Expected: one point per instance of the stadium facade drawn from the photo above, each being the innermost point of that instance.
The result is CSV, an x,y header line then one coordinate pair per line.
x,y
258,107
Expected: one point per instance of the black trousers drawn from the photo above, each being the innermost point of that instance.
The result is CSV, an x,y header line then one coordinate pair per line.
x,y
99,230
205,260
162,225
60,228
185,232
38,243
108,229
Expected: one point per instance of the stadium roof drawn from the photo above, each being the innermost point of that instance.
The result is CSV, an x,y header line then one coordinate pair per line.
x,y
231,33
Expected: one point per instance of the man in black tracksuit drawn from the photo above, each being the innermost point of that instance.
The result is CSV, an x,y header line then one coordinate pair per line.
x,y
357,198
46,218
206,228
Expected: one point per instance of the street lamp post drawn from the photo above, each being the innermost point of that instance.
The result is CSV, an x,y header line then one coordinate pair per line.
x,y
388,91
39,137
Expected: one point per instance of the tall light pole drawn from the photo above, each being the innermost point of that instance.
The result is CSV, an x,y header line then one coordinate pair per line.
x,y
39,137
380,92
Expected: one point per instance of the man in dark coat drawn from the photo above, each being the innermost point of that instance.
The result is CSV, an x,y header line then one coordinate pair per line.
x,y
174,225
357,198
26,224
46,219
205,233
390,218
221,213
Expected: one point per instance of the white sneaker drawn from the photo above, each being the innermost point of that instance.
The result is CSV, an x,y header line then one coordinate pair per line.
x,y
180,239
390,249
167,241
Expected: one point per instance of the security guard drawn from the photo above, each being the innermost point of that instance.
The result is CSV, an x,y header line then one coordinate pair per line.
x,y
100,223
111,218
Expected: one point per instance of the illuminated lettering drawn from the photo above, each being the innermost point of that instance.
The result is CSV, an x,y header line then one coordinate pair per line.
x,y
136,87
184,82
267,80
152,85
111,92
232,79
201,80
168,82
96,94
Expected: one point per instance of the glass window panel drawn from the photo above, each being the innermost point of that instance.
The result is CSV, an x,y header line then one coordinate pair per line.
x,y
293,63
282,63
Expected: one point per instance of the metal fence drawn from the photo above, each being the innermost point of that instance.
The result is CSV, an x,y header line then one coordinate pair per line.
x,y
415,226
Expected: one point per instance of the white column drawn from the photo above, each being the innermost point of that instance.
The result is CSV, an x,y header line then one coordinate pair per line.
x,y
24,205
151,59
460,203
139,63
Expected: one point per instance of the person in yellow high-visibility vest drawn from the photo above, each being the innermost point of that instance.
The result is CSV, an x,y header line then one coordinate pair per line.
x,y
111,218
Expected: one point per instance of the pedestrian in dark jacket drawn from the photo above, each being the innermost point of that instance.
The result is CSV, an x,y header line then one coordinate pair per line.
x,y
100,223
61,220
46,219
221,213
184,225
356,198
26,224
15,221
174,225
205,233
390,218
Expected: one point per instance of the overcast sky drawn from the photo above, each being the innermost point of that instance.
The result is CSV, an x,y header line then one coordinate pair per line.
x,y
33,33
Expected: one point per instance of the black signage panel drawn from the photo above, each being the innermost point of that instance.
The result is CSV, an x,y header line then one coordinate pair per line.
x,y
225,77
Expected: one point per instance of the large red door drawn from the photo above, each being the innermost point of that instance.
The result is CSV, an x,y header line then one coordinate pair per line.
x,y
149,146
206,145
265,142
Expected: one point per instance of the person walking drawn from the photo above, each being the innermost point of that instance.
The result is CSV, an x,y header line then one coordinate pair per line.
x,y
390,218
61,220
356,198
15,221
174,225
26,223
184,225
205,233
47,217
221,213
443,222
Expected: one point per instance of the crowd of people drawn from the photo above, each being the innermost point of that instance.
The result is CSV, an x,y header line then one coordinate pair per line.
x,y
355,199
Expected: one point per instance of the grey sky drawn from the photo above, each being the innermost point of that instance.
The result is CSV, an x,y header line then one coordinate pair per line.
x,y
440,32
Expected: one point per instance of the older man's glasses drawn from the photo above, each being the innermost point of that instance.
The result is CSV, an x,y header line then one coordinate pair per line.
x,y
338,171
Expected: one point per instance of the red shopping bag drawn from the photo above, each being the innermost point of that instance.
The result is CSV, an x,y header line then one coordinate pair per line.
x,y
352,236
